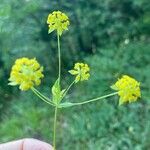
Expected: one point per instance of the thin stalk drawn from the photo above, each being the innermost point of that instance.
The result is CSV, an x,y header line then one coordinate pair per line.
x,y
59,57
94,99
54,132
41,94
42,98
66,91
59,77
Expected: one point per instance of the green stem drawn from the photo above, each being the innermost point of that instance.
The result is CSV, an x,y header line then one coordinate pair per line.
x,y
42,97
66,91
94,99
54,132
40,94
59,57
59,77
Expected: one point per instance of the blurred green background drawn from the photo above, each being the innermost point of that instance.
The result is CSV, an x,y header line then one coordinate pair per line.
x,y
112,36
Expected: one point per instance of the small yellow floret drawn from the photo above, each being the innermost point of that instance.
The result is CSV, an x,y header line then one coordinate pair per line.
x,y
57,21
81,71
128,89
26,73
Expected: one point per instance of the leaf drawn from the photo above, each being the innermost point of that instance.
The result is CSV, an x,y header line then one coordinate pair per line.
x,y
113,87
73,72
56,92
50,30
12,83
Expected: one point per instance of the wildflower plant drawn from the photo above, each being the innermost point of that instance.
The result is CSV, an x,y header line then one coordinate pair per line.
x,y
27,73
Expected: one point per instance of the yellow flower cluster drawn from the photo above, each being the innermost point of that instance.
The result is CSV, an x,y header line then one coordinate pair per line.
x,y
26,73
128,89
58,21
81,71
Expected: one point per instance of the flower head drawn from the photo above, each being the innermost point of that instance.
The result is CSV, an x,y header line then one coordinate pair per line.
x,y
26,73
81,71
57,21
128,89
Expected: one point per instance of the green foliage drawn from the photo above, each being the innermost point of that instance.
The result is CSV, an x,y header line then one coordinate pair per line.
x,y
94,24
27,119
56,92
113,35
101,125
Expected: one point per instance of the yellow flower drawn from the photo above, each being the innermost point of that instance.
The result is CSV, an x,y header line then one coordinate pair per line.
x,y
81,71
58,21
26,73
128,89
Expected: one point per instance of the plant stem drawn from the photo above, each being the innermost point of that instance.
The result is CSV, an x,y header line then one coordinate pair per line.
x,y
54,132
42,97
66,91
95,99
59,57
38,92
59,77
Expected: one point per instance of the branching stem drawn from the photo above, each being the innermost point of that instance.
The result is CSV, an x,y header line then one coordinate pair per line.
x,y
41,96
95,99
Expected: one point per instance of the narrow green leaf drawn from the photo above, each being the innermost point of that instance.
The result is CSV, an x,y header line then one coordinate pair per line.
x,y
12,83
113,87
50,30
73,72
